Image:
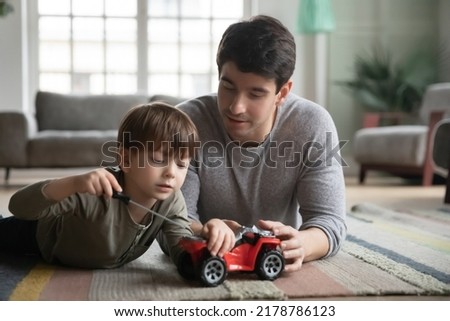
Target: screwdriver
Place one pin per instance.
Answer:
(127, 200)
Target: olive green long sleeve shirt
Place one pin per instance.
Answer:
(88, 231)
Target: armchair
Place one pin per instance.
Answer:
(402, 150)
(441, 153)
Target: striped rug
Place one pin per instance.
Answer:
(151, 277)
(387, 252)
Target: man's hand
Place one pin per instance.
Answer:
(298, 246)
(220, 237)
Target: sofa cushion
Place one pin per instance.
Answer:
(393, 145)
(171, 100)
(60, 148)
(83, 112)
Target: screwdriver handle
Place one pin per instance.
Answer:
(121, 197)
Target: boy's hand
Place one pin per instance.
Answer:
(220, 237)
(97, 182)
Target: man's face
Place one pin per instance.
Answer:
(247, 103)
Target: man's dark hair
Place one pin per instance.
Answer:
(261, 45)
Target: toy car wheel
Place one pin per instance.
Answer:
(213, 271)
(185, 266)
(270, 265)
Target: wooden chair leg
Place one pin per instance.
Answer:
(7, 173)
(427, 174)
(362, 175)
(447, 190)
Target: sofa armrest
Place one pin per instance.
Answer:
(441, 147)
(15, 129)
(428, 168)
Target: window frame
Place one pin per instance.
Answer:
(142, 73)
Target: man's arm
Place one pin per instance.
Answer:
(191, 193)
(321, 188)
(315, 242)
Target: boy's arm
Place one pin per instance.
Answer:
(219, 233)
(30, 201)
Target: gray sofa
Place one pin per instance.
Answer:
(65, 130)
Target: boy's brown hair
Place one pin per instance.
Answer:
(159, 126)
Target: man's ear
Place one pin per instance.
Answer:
(284, 91)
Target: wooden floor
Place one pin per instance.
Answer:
(379, 189)
(394, 192)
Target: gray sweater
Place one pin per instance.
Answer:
(294, 176)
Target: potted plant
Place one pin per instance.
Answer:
(5, 8)
(380, 84)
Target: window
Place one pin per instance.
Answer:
(145, 46)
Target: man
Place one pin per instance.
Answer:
(267, 156)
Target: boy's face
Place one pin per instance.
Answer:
(248, 103)
(153, 175)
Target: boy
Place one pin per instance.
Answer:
(75, 221)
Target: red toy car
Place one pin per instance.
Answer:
(255, 251)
